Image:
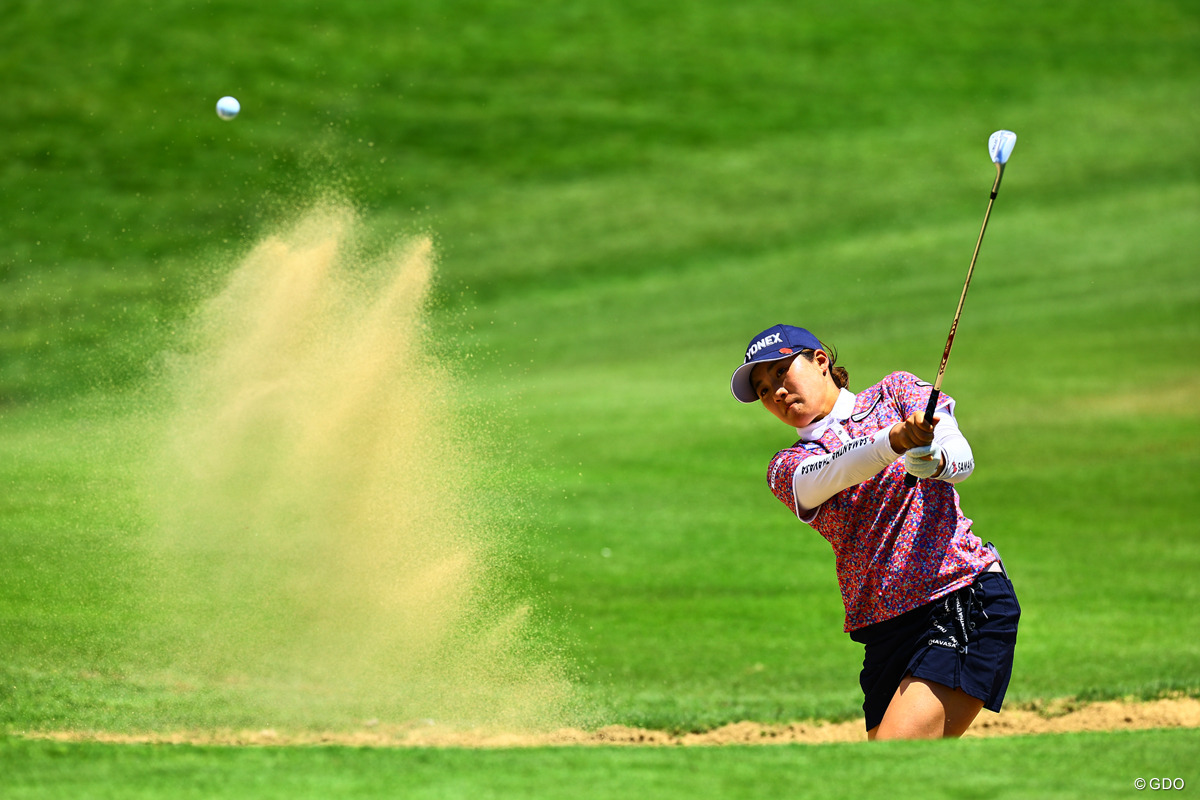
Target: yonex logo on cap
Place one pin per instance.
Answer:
(766, 341)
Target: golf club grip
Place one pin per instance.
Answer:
(910, 480)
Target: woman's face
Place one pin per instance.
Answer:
(797, 391)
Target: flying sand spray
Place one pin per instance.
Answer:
(321, 547)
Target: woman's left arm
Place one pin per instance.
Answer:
(957, 460)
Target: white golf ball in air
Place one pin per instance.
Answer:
(228, 107)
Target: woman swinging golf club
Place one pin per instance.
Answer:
(929, 601)
(931, 604)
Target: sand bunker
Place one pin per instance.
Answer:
(1051, 718)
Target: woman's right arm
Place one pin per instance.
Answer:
(815, 479)
(805, 483)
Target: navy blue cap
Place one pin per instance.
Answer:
(776, 342)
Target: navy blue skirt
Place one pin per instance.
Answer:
(964, 640)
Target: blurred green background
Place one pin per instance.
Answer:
(621, 194)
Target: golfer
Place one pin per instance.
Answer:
(931, 603)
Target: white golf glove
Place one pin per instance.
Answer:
(916, 463)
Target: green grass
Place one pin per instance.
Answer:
(620, 194)
(1065, 766)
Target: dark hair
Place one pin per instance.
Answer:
(841, 377)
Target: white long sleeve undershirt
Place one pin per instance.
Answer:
(821, 477)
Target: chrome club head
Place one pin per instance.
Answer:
(1000, 145)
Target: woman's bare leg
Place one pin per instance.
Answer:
(922, 709)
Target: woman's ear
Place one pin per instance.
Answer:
(821, 359)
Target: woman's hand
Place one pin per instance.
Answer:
(913, 432)
(924, 462)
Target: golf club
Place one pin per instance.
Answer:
(1000, 146)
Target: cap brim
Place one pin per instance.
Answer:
(740, 385)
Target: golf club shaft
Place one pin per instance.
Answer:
(910, 480)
